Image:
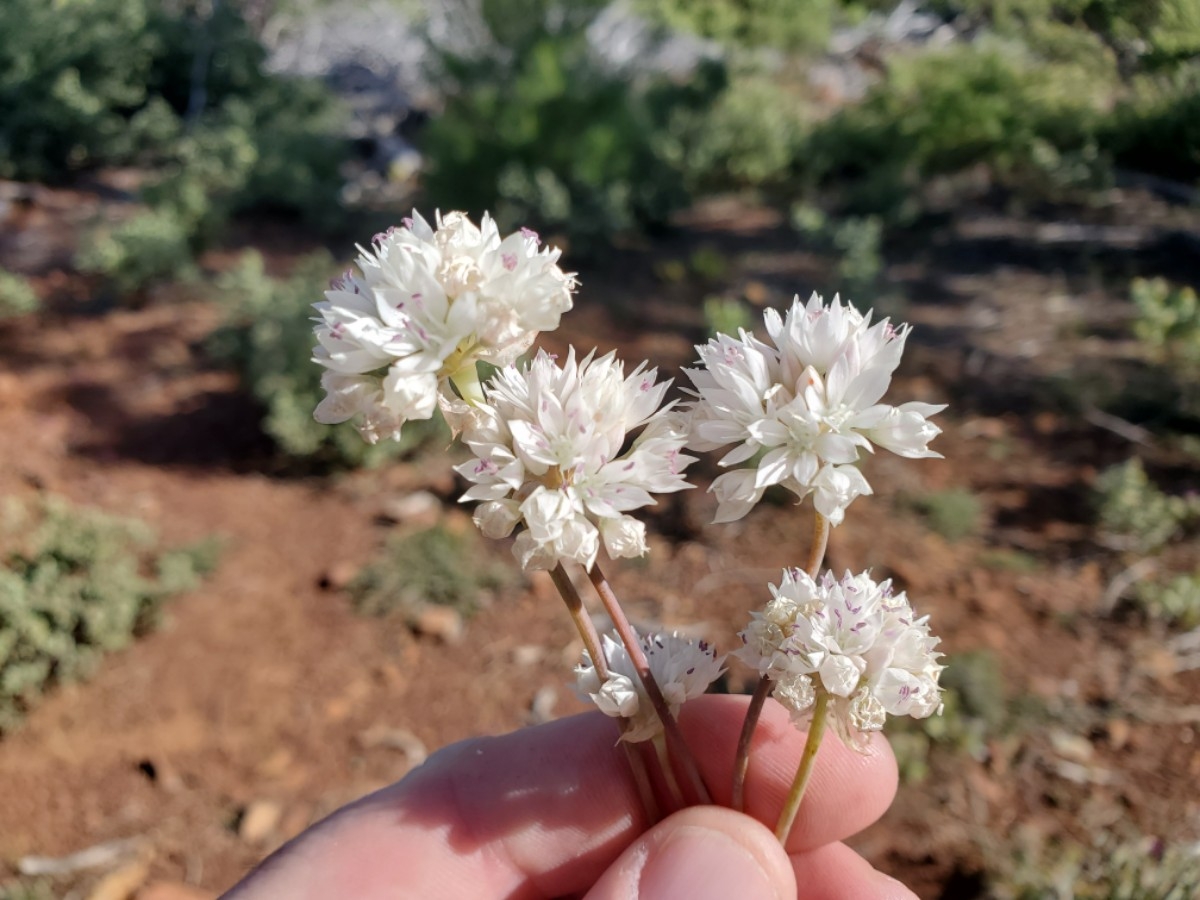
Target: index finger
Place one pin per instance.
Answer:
(543, 811)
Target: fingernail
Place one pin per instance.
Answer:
(699, 863)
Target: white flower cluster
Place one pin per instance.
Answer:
(805, 405)
(549, 441)
(683, 669)
(853, 639)
(427, 304)
(564, 453)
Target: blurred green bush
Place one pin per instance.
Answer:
(17, 296)
(1167, 326)
(76, 584)
(954, 513)
(97, 82)
(1134, 513)
(268, 339)
(1055, 95)
(1168, 320)
(783, 24)
(180, 90)
(749, 134)
(437, 565)
(538, 130)
(940, 112)
(75, 81)
(149, 247)
(1111, 868)
(1175, 600)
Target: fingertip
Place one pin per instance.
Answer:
(836, 872)
(700, 853)
(849, 789)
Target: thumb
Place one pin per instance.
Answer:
(700, 853)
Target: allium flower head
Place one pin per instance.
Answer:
(683, 669)
(808, 402)
(550, 447)
(854, 640)
(425, 304)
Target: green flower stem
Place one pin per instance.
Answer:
(741, 762)
(675, 742)
(591, 642)
(791, 806)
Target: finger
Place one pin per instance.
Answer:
(542, 812)
(835, 872)
(702, 853)
(848, 791)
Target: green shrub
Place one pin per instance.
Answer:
(538, 131)
(93, 82)
(1061, 91)
(724, 315)
(785, 24)
(1168, 319)
(1146, 33)
(268, 339)
(74, 84)
(856, 242)
(436, 565)
(75, 585)
(709, 264)
(944, 111)
(1176, 602)
(32, 889)
(750, 137)
(17, 296)
(954, 514)
(1110, 869)
(1131, 509)
(150, 247)
(1003, 559)
(1157, 129)
(85, 83)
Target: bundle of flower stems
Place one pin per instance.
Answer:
(565, 451)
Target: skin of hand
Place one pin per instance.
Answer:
(551, 811)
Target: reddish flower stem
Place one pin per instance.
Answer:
(591, 642)
(816, 550)
(741, 762)
(680, 751)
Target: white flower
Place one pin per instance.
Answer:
(682, 668)
(853, 640)
(550, 447)
(803, 406)
(426, 305)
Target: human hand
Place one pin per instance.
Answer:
(552, 811)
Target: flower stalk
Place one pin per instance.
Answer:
(675, 742)
(591, 642)
(741, 761)
(816, 550)
(791, 806)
